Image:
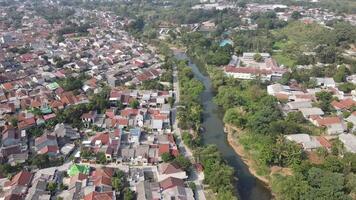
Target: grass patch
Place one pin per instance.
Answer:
(284, 60)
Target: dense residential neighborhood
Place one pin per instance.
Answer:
(189, 100)
(84, 104)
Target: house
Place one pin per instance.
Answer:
(325, 82)
(171, 182)
(47, 144)
(65, 131)
(349, 141)
(166, 170)
(19, 158)
(178, 192)
(89, 118)
(10, 136)
(307, 112)
(110, 195)
(344, 104)
(333, 125)
(278, 89)
(134, 135)
(248, 73)
(308, 142)
(19, 184)
(295, 105)
(100, 139)
(148, 190)
(102, 178)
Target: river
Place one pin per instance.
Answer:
(248, 186)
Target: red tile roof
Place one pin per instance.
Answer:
(324, 142)
(343, 104)
(169, 168)
(49, 149)
(163, 148)
(128, 112)
(171, 182)
(22, 178)
(103, 137)
(328, 121)
(99, 196)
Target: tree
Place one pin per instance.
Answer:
(341, 73)
(41, 161)
(101, 158)
(286, 153)
(296, 15)
(183, 162)
(192, 185)
(334, 164)
(52, 187)
(257, 57)
(350, 126)
(235, 117)
(324, 100)
(290, 187)
(14, 121)
(86, 153)
(134, 104)
(295, 117)
(117, 184)
(128, 194)
(167, 157)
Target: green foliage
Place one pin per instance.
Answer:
(101, 158)
(235, 117)
(183, 162)
(70, 83)
(100, 101)
(134, 104)
(7, 170)
(189, 112)
(257, 57)
(129, 194)
(217, 174)
(151, 85)
(167, 157)
(118, 181)
(36, 131)
(290, 187)
(189, 140)
(295, 117)
(72, 115)
(52, 187)
(341, 73)
(286, 153)
(324, 100)
(74, 28)
(192, 185)
(267, 20)
(296, 15)
(221, 56)
(86, 154)
(43, 161)
(346, 87)
(14, 121)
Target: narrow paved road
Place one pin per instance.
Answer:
(196, 177)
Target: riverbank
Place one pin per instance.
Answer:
(239, 149)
